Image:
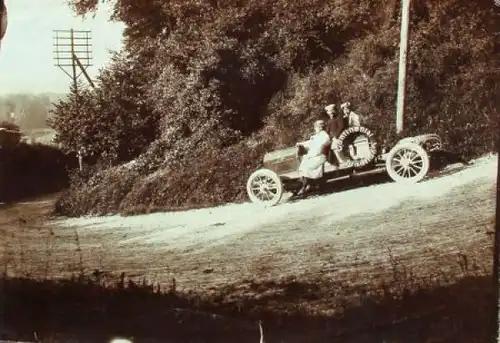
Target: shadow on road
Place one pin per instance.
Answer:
(88, 312)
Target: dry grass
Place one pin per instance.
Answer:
(459, 312)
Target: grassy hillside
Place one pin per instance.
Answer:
(202, 90)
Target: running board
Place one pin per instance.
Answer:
(379, 169)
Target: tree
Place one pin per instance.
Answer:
(113, 120)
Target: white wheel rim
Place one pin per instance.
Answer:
(408, 163)
(264, 188)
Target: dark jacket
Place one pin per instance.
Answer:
(335, 126)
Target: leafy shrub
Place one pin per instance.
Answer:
(112, 121)
(99, 194)
(10, 135)
(31, 170)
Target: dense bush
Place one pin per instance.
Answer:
(10, 135)
(112, 120)
(32, 170)
(202, 89)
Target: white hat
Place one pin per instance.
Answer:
(330, 107)
(345, 104)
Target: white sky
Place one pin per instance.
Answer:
(26, 58)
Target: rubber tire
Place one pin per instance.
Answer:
(276, 179)
(420, 151)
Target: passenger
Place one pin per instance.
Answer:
(335, 127)
(335, 124)
(351, 118)
(311, 166)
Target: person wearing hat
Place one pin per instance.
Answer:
(335, 127)
(351, 118)
(311, 165)
(335, 124)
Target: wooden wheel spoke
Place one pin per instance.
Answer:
(408, 163)
(398, 168)
(414, 170)
(265, 187)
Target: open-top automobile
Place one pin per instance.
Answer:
(408, 161)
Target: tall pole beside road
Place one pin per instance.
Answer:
(403, 52)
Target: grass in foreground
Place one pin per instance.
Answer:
(88, 308)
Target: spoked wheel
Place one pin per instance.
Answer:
(407, 163)
(265, 187)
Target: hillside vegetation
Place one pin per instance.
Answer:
(30, 170)
(203, 88)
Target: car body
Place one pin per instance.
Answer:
(408, 161)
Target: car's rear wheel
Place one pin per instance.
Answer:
(265, 187)
(407, 163)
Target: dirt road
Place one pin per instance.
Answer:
(358, 236)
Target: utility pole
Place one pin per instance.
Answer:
(73, 60)
(72, 49)
(403, 52)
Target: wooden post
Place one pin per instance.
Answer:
(496, 251)
(80, 158)
(403, 49)
(73, 62)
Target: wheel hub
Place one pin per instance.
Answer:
(264, 187)
(405, 162)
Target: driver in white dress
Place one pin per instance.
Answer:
(311, 166)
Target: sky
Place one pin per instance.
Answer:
(26, 52)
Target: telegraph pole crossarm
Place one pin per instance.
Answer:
(72, 49)
(74, 54)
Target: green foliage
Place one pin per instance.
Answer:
(10, 138)
(32, 170)
(200, 81)
(113, 120)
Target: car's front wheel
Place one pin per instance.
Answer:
(407, 163)
(265, 187)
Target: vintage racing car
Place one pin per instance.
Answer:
(408, 161)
